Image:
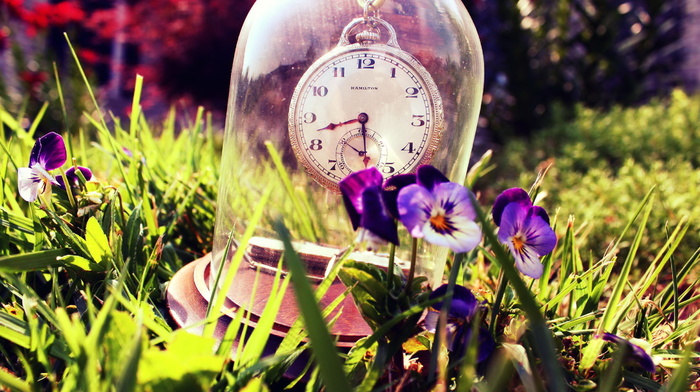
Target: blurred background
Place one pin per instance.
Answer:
(538, 54)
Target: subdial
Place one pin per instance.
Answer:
(359, 150)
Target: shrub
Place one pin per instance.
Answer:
(605, 162)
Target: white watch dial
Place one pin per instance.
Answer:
(364, 106)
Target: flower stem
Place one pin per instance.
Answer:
(69, 191)
(496, 308)
(440, 331)
(412, 271)
(390, 266)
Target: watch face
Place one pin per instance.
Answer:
(363, 106)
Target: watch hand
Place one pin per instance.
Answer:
(363, 118)
(333, 126)
(358, 151)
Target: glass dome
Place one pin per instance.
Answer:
(283, 39)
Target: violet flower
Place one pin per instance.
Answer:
(362, 196)
(525, 229)
(463, 307)
(439, 211)
(636, 355)
(48, 153)
(72, 176)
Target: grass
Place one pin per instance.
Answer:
(84, 275)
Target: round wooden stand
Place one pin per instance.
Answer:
(189, 292)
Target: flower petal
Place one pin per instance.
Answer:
(528, 237)
(637, 355)
(486, 344)
(49, 151)
(352, 187)
(431, 319)
(527, 261)
(512, 195)
(455, 199)
(72, 176)
(415, 204)
(374, 216)
(392, 187)
(28, 183)
(538, 234)
(465, 237)
(512, 219)
(463, 305)
(539, 211)
(428, 176)
(454, 213)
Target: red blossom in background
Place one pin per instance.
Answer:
(4, 38)
(171, 43)
(102, 22)
(64, 13)
(89, 56)
(44, 15)
(33, 79)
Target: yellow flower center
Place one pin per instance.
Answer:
(518, 242)
(440, 223)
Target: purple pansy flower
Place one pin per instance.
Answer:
(463, 307)
(525, 229)
(439, 211)
(362, 196)
(636, 354)
(48, 153)
(392, 187)
(72, 176)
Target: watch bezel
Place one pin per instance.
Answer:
(434, 97)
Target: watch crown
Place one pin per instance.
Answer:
(367, 37)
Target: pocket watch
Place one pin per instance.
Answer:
(365, 104)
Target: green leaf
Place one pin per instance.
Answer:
(81, 263)
(132, 247)
(186, 364)
(33, 261)
(97, 243)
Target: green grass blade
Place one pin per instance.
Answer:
(612, 376)
(322, 344)
(126, 381)
(297, 333)
(255, 345)
(33, 261)
(12, 382)
(37, 119)
(592, 350)
(679, 379)
(218, 296)
(135, 107)
(304, 217)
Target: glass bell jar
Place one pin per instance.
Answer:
(320, 89)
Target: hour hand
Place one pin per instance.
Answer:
(333, 126)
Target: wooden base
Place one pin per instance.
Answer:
(189, 292)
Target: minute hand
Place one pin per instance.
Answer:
(333, 126)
